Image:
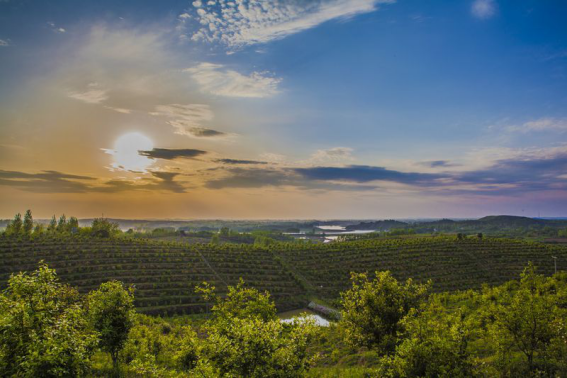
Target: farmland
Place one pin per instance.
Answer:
(165, 274)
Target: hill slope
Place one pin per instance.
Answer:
(165, 274)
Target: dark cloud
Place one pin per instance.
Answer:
(236, 161)
(438, 163)
(266, 177)
(45, 181)
(205, 133)
(251, 178)
(57, 182)
(170, 154)
(365, 173)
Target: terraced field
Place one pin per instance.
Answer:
(452, 264)
(165, 274)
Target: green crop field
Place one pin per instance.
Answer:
(165, 274)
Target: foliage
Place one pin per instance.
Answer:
(43, 331)
(245, 338)
(111, 312)
(103, 228)
(435, 344)
(373, 310)
(529, 320)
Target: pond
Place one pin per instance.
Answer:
(288, 317)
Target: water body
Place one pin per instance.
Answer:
(298, 315)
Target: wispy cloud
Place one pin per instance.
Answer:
(483, 9)
(94, 94)
(55, 28)
(170, 154)
(541, 124)
(4, 43)
(217, 80)
(188, 119)
(248, 22)
(337, 154)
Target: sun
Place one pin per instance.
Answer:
(127, 152)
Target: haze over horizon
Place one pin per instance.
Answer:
(288, 109)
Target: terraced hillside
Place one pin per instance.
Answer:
(165, 274)
(452, 264)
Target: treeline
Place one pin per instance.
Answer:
(100, 227)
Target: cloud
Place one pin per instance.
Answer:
(364, 173)
(236, 161)
(437, 163)
(45, 181)
(170, 154)
(248, 22)
(188, 119)
(333, 154)
(249, 178)
(483, 9)
(541, 124)
(56, 29)
(57, 182)
(93, 95)
(4, 43)
(217, 80)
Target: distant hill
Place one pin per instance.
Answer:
(490, 224)
(382, 225)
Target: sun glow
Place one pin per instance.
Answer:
(127, 152)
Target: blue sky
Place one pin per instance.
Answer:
(276, 109)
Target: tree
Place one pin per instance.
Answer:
(52, 225)
(73, 225)
(43, 331)
(435, 344)
(246, 339)
(62, 224)
(372, 310)
(224, 232)
(215, 239)
(38, 229)
(525, 318)
(15, 226)
(111, 313)
(28, 223)
(103, 228)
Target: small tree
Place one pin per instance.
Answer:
(62, 224)
(28, 223)
(111, 312)
(15, 226)
(525, 320)
(435, 344)
(103, 228)
(372, 310)
(246, 339)
(73, 225)
(52, 225)
(38, 229)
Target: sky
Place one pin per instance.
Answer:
(283, 109)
